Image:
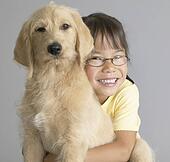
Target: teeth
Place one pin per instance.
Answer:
(108, 81)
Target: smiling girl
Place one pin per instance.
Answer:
(107, 72)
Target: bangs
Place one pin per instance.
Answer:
(108, 28)
(109, 32)
(111, 39)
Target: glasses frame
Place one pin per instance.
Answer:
(105, 59)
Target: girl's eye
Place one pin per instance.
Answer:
(40, 29)
(117, 57)
(65, 26)
(96, 58)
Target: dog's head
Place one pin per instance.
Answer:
(53, 34)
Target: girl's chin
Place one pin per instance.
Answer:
(107, 91)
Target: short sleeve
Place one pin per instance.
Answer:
(125, 115)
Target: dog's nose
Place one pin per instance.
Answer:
(54, 48)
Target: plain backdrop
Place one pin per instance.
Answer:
(147, 25)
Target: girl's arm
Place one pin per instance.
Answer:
(117, 151)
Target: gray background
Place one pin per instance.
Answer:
(147, 25)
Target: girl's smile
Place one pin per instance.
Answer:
(109, 82)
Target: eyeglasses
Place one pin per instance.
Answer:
(97, 61)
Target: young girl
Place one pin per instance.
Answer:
(107, 71)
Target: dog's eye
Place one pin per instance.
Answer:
(65, 26)
(40, 29)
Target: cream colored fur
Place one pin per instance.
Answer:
(60, 112)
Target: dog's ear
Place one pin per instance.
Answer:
(84, 42)
(23, 52)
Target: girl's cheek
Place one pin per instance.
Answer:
(90, 73)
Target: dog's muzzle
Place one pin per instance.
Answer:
(54, 48)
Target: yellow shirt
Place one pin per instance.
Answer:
(123, 107)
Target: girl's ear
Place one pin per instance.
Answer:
(84, 41)
(23, 52)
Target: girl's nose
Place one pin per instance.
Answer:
(108, 67)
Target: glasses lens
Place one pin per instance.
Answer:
(119, 60)
(95, 61)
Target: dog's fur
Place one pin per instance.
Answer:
(60, 112)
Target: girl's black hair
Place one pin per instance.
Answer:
(110, 28)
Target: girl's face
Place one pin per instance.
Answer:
(106, 79)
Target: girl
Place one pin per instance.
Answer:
(106, 69)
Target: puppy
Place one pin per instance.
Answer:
(59, 111)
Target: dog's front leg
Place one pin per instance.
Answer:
(32, 147)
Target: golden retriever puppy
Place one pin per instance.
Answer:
(59, 112)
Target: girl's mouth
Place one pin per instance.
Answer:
(108, 82)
